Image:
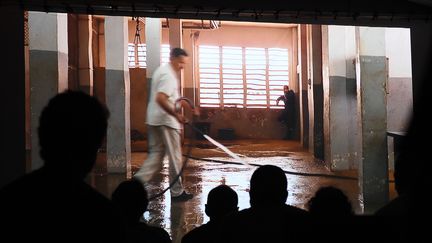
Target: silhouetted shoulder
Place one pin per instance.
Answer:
(270, 224)
(292, 210)
(204, 233)
(41, 201)
(143, 233)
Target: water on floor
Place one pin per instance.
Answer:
(308, 174)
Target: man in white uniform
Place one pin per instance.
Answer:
(165, 124)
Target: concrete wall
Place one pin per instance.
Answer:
(247, 123)
(138, 96)
(341, 145)
(250, 123)
(317, 89)
(48, 46)
(303, 85)
(399, 99)
(99, 84)
(399, 86)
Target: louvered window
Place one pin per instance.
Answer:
(242, 76)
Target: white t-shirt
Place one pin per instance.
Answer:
(164, 80)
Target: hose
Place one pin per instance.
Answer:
(188, 156)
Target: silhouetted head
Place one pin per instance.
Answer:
(286, 88)
(268, 186)
(221, 201)
(405, 174)
(413, 164)
(330, 201)
(71, 129)
(131, 198)
(178, 58)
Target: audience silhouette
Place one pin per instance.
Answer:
(407, 214)
(330, 202)
(221, 202)
(53, 203)
(131, 199)
(268, 219)
(330, 209)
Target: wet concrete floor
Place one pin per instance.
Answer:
(201, 176)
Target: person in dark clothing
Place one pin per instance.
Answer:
(288, 115)
(131, 199)
(269, 219)
(221, 202)
(53, 203)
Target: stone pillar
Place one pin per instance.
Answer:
(85, 57)
(316, 86)
(371, 74)
(340, 127)
(12, 103)
(303, 86)
(117, 95)
(48, 46)
(175, 40)
(293, 54)
(188, 73)
(153, 35)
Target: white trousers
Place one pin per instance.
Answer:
(163, 140)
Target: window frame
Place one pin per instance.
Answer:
(269, 91)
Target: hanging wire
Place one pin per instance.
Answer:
(137, 39)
